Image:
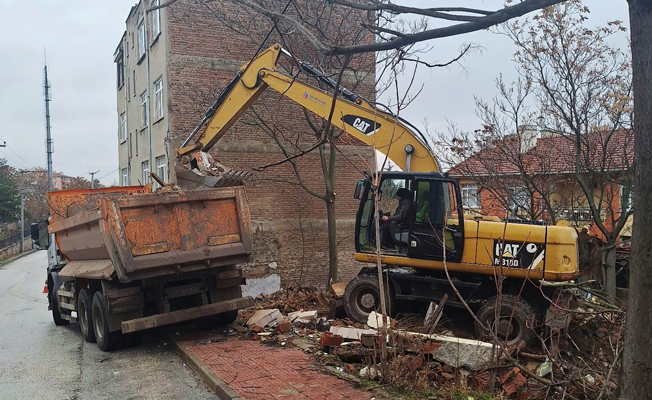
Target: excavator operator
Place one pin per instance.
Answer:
(400, 220)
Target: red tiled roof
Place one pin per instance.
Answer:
(553, 154)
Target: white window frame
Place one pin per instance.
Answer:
(156, 20)
(125, 177)
(145, 169)
(142, 45)
(158, 98)
(144, 110)
(470, 192)
(162, 167)
(519, 197)
(630, 199)
(123, 127)
(120, 70)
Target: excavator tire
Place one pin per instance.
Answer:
(362, 296)
(517, 320)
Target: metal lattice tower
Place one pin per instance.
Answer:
(48, 137)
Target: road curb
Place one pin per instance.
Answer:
(16, 257)
(215, 384)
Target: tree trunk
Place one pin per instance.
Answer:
(637, 359)
(332, 239)
(610, 269)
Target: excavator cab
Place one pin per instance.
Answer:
(435, 220)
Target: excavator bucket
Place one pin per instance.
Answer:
(202, 171)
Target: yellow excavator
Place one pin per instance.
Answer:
(479, 254)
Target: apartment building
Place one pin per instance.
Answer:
(143, 120)
(170, 66)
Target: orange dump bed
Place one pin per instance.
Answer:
(146, 235)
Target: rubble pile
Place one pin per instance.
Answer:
(578, 362)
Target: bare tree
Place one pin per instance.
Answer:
(582, 91)
(637, 361)
(514, 179)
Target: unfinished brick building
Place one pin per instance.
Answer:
(179, 58)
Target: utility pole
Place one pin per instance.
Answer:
(48, 137)
(93, 178)
(22, 214)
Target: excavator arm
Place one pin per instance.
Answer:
(353, 114)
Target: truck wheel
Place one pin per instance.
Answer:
(85, 315)
(362, 296)
(105, 340)
(516, 320)
(54, 301)
(56, 315)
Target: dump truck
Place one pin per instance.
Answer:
(123, 260)
(438, 244)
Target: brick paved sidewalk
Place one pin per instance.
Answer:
(256, 371)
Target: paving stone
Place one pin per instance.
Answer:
(256, 371)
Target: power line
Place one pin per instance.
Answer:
(13, 161)
(104, 176)
(12, 150)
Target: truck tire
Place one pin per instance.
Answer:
(53, 283)
(362, 296)
(56, 315)
(516, 320)
(85, 316)
(106, 340)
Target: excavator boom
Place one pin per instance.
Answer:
(354, 115)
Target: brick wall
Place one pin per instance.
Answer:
(289, 224)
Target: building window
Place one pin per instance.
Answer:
(141, 40)
(143, 109)
(156, 20)
(519, 199)
(629, 205)
(123, 127)
(158, 99)
(145, 167)
(125, 177)
(470, 195)
(120, 70)
(134, 82)
(162, 168)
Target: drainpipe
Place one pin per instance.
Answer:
(125, 94)
(149, 103)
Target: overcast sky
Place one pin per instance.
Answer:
(80, 37)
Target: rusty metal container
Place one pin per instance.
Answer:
(146, 235)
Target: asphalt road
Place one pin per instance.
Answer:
(39, 360)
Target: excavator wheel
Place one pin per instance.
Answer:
(362, 296)
(516, 320)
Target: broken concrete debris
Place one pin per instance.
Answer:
(262, 286)
(303, 316)
(375, 320)
(263, 318)
(370, 372)
(351, 333)
(453, 351)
